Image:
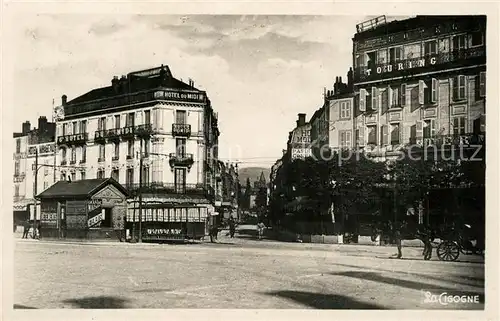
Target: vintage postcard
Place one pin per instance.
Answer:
(242, 159)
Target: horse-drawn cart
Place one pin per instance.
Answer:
(459, 241)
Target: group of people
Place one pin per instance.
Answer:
(27, 227)
(231, 223)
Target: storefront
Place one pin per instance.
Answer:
(169, 218)
(85, 209)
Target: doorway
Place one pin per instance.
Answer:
(107, 217)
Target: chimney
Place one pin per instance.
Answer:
(26, 127)
(115, 84)
(283, 151)
(42, 124)
(350, 80)
(301, 121)
(64, 100)
(123, 84)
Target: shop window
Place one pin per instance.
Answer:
(459, 126)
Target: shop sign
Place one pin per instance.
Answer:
(93, 221)
(163, 231)
(175, 95)
(93, 204)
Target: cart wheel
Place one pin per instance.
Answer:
(448, 251)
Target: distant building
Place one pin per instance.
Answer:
(32, 145)
(299, 141)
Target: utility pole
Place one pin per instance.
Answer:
(34, 191)
(140, 193)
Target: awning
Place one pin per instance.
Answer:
(22, 205)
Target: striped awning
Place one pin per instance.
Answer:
(22, 205)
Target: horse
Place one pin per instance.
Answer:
(406, 231)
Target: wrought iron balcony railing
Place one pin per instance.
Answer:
(177, 159)
(181, 130)
(75, 139)
(410, 66)
(19, 177)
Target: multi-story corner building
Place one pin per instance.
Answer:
(419, 81)
(299, 139)
(229, 189)
(152, 118)
(33, 157)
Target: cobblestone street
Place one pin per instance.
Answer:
(235, 273)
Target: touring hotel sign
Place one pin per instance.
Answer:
(401, 66)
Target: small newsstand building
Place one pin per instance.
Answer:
(84, 209)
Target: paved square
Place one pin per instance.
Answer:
(235, 274)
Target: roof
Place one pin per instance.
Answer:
(135, 82)
(79, 189)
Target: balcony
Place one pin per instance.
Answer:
(408, 67)
(64, 162)
(184, 160)
(181, 130)
(166, 188)
(115, 134)
(73, 140)
(72, 162)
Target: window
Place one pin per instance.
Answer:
(75, 128)
(180, 147)
(100, 173)
(73, 154)
(82, 175)
(16, 191)
(476, 39)
(395, 134)
(117, 121)
(345, 110)
(83, 126)
(459, 125)
(64, 129)
(63, 151)
(371, 59)
(130, 120)
(115, 174)
(180, 117)
(402, 95)
(45, 185)
(130, 149)
(101, 125)
(84, 154)
(395, 54)
(145, 175)
(393, 97)
(428, 91)
(117, 150)
(130, 177)
(62, 177)
(458, 42)
(18, 146)
(102, 150)
(46, 168)
(429, 128)
(17, 168)
(146, 147)
(430, 47)
(372, 135)
(180, 180)
(382, 56)
(73, 176)
(374, 98)
(345, 139)
(147, 117)
(482, 84)
(459, 87)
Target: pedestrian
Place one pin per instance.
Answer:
(26, 226)
(232, 227)
(260, 229)
(40, 231)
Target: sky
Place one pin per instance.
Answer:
(258, 71)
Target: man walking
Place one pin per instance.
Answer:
(232, 227)
(260, 229)
(26, 227)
